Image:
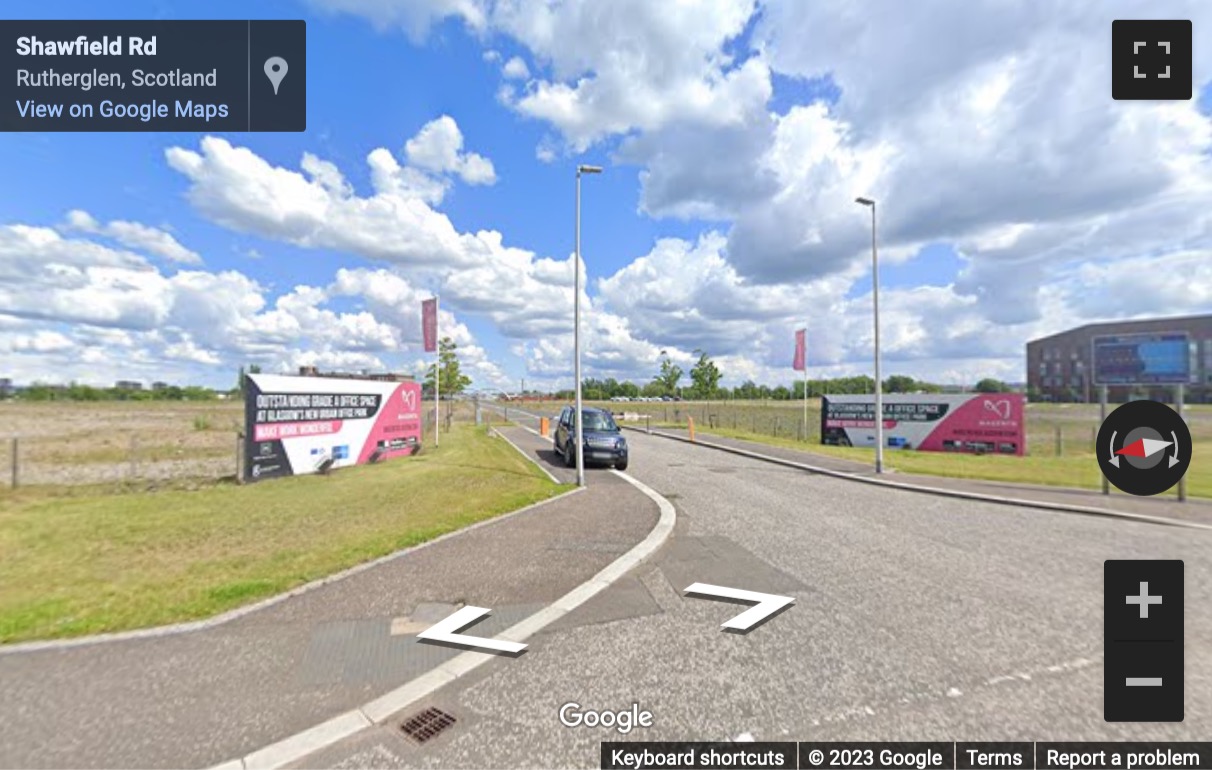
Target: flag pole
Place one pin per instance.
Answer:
(437, 375)
(805, 383)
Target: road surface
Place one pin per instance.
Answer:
(916, 618)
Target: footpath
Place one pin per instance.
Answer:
(203, 697)
(1165, 506)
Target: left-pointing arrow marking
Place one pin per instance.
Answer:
(767, 605)
(446, 632)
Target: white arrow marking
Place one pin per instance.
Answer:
(446, 631)
(1174, 457)
(767, 604)
(1114, 457)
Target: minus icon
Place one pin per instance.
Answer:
(1143, 681)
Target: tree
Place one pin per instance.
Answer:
(453, 380)
(990, 385)
(747, 390)
(670, 374)
(900, 383)
(705, 375)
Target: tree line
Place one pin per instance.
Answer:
(40, 391)
(705, 378)
(704, 384)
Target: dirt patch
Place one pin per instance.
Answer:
(87, 443)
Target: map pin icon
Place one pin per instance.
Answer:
(275, 70)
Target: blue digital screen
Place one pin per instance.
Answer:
(1142, 359)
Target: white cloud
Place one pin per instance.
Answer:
(99, 314)
(415, 17)
(438, 147)
(965, 123)
(134, 235)
(516, 69)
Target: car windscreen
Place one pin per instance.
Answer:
(599, 421)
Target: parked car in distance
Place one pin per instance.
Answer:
(604, 440)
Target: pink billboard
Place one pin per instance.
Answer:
(296, 425)
(981, 423)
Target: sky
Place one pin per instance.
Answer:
(1015, 198)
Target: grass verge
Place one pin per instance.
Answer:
(1073, 470)
(92, 563)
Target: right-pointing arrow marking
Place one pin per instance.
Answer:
(445, 632)
(767, 604)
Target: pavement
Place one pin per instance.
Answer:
(200, 698)
(917, 617)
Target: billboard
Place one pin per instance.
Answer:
(990, 423)
(294, 425)
(1142, 359)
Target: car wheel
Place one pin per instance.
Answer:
(621, 466)
(570, 457)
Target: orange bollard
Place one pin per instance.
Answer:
(690, 423)
(544, 427)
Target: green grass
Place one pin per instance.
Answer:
(1069, 462)
(1073, 469)
(90, 562)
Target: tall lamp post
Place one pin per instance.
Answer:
(577, 416)
(875, 304)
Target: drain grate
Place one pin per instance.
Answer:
(428, 724)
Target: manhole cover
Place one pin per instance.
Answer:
(426, 725)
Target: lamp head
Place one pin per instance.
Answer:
(865, 201)
(583, 169)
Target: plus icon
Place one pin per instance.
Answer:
(1144, 600)
(1151, 59)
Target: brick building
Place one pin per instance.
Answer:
(1060, 367)
(312, 371)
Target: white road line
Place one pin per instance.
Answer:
(377, 711)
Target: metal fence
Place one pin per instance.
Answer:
(75, 444)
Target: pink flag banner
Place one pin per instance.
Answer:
(429, 324)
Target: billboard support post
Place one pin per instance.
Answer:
(1102, 417)
(437, 377)
(1178, 402)
(800, 363)
(805, 400)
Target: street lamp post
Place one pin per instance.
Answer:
(577, 416)
(875, 304)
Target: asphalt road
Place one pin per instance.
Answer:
(203, 697)
(917, 618)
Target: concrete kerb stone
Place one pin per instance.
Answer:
(526, 454)
(384, 707)
(239, 612)
(939, 491)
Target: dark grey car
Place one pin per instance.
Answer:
(604, 440)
